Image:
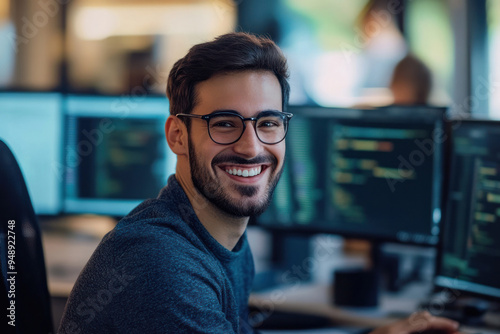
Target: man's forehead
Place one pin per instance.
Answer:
(239, 77)
(248, 93)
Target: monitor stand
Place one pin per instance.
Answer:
(359, 286)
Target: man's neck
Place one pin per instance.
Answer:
(224, 228)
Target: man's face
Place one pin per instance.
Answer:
(247, 93)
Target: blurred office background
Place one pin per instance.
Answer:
(65, 66)
(341, 53)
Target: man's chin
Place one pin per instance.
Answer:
(245, 210)
(247, 191)
(245, 206)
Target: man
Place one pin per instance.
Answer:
(180, 263)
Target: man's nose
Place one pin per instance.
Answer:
(249, 144)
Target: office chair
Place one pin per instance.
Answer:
(32, 300)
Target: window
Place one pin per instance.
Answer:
(343, 53)
(106, 46)
(430, 37)
(493, 12)
(340, 53)
(116, 47)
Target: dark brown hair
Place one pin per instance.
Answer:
(231, 52)
(412, 71)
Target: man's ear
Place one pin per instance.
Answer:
(176, 134)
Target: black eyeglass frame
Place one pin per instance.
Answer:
(286, 116)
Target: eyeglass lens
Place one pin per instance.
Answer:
(227, 128)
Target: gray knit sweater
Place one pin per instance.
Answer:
(160, 271)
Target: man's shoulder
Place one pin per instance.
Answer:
(154, 247)
(154, 234)
(168, 231)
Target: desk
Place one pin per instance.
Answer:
(315, 299)
(68, 243)
(313, 331)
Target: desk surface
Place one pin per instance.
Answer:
(335, 330)
(316, 299)
(68, 245)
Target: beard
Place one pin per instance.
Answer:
(219, 195)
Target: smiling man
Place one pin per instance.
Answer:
(181, 263)
(235, 150)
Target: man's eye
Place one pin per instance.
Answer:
(269, 124)
(223, 124)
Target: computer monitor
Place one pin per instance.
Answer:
(372, 174)
(116, 154)
(31, 125)
(470, 248)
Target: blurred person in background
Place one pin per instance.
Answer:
(411, 82)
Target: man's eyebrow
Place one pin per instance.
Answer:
(237, 112)
(224, 110)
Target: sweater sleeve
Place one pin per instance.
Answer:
(149, 284)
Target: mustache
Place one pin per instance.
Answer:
(236, 160)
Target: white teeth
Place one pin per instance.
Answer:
(245, 172)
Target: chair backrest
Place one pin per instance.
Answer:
(23, 279)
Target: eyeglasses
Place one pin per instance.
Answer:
(227, 127)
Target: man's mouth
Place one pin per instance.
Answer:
(244, 172)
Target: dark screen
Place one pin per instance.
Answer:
(470, 245)
(116, 153)
(123, 164)
(362, 173)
